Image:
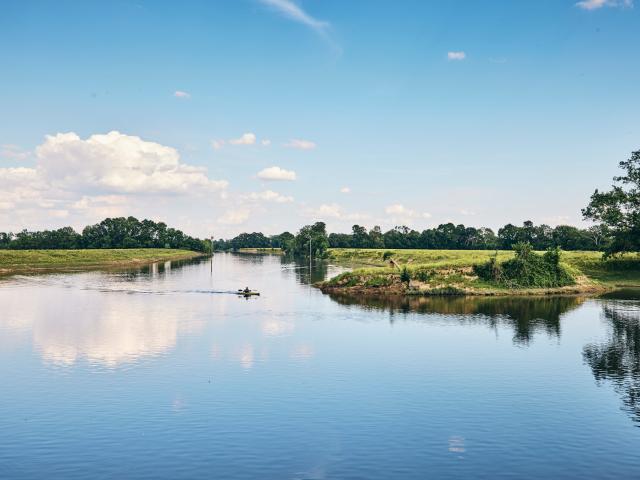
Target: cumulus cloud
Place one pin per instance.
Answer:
(13, 152)
(292, 11)
(335, 211)
(181, 94)
(332, 210)
(300, 144)
(402, 214)
(77, 181)
(456, 55)
(597, 4)
(269, 196)
(23, 186)
(235, 217)
(276, 173)
(345, 190)
(246, 139)
(116, 162)
(266, 142)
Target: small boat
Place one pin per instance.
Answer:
(248, 294)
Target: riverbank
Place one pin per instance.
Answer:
(451, 272)
(33, 261)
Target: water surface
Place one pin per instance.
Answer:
(161, 372)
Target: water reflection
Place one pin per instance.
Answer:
(525, 315)
(85, 316)
(111, 332)
(617, 360)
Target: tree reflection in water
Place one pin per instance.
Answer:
(618, 359)
(526, 315)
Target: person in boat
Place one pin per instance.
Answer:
(246, 290)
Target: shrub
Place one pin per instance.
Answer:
(527, 269)
(405, 276)
(422, 274)
(387, 255)
(378, 281)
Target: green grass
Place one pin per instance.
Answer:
(12, 261)
(442, 270)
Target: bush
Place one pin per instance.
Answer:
(405, 276)
(422, 274)
(387, 255)
(527, 269)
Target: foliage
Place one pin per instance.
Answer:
(618, 210)
(405, 276)
(446, 236)
(527, 269)
(254, 240)
(310, 240)
(110, 233)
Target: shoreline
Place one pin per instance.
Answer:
(14, 262)
(374, 292)
(433, 273)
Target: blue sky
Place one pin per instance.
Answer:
(480, 113)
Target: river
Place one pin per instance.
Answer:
(163, 372)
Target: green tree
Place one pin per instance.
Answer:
(311, 239)
(619, 208)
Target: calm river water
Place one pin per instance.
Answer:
(161, 373)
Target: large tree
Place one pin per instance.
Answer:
(619, 208)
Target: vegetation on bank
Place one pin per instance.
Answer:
(527, 269)
(110, 233)
(443, 237)
(439, 272)
(15, 261)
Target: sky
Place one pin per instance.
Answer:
(220, 117)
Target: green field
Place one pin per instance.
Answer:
(451, 271)
(15, 261)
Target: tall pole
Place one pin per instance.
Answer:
(310, 266)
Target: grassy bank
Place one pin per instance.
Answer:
(452, 272)
(23, 261)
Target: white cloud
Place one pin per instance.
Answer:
(400, 213)
(597, 4)
(333, 210)
(116, 162)
(292, 11)
(62, 213)
(266, 142)
(467, 213)
(181, 94)
(217, 144)
(13, 152)
(245, 139)
(235, 217)
(456, 55)
(345, 190)
(276, 173)
(22, 185)
(300, 144)
(270, 196)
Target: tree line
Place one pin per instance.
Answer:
(109, 233)
(447, 236)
